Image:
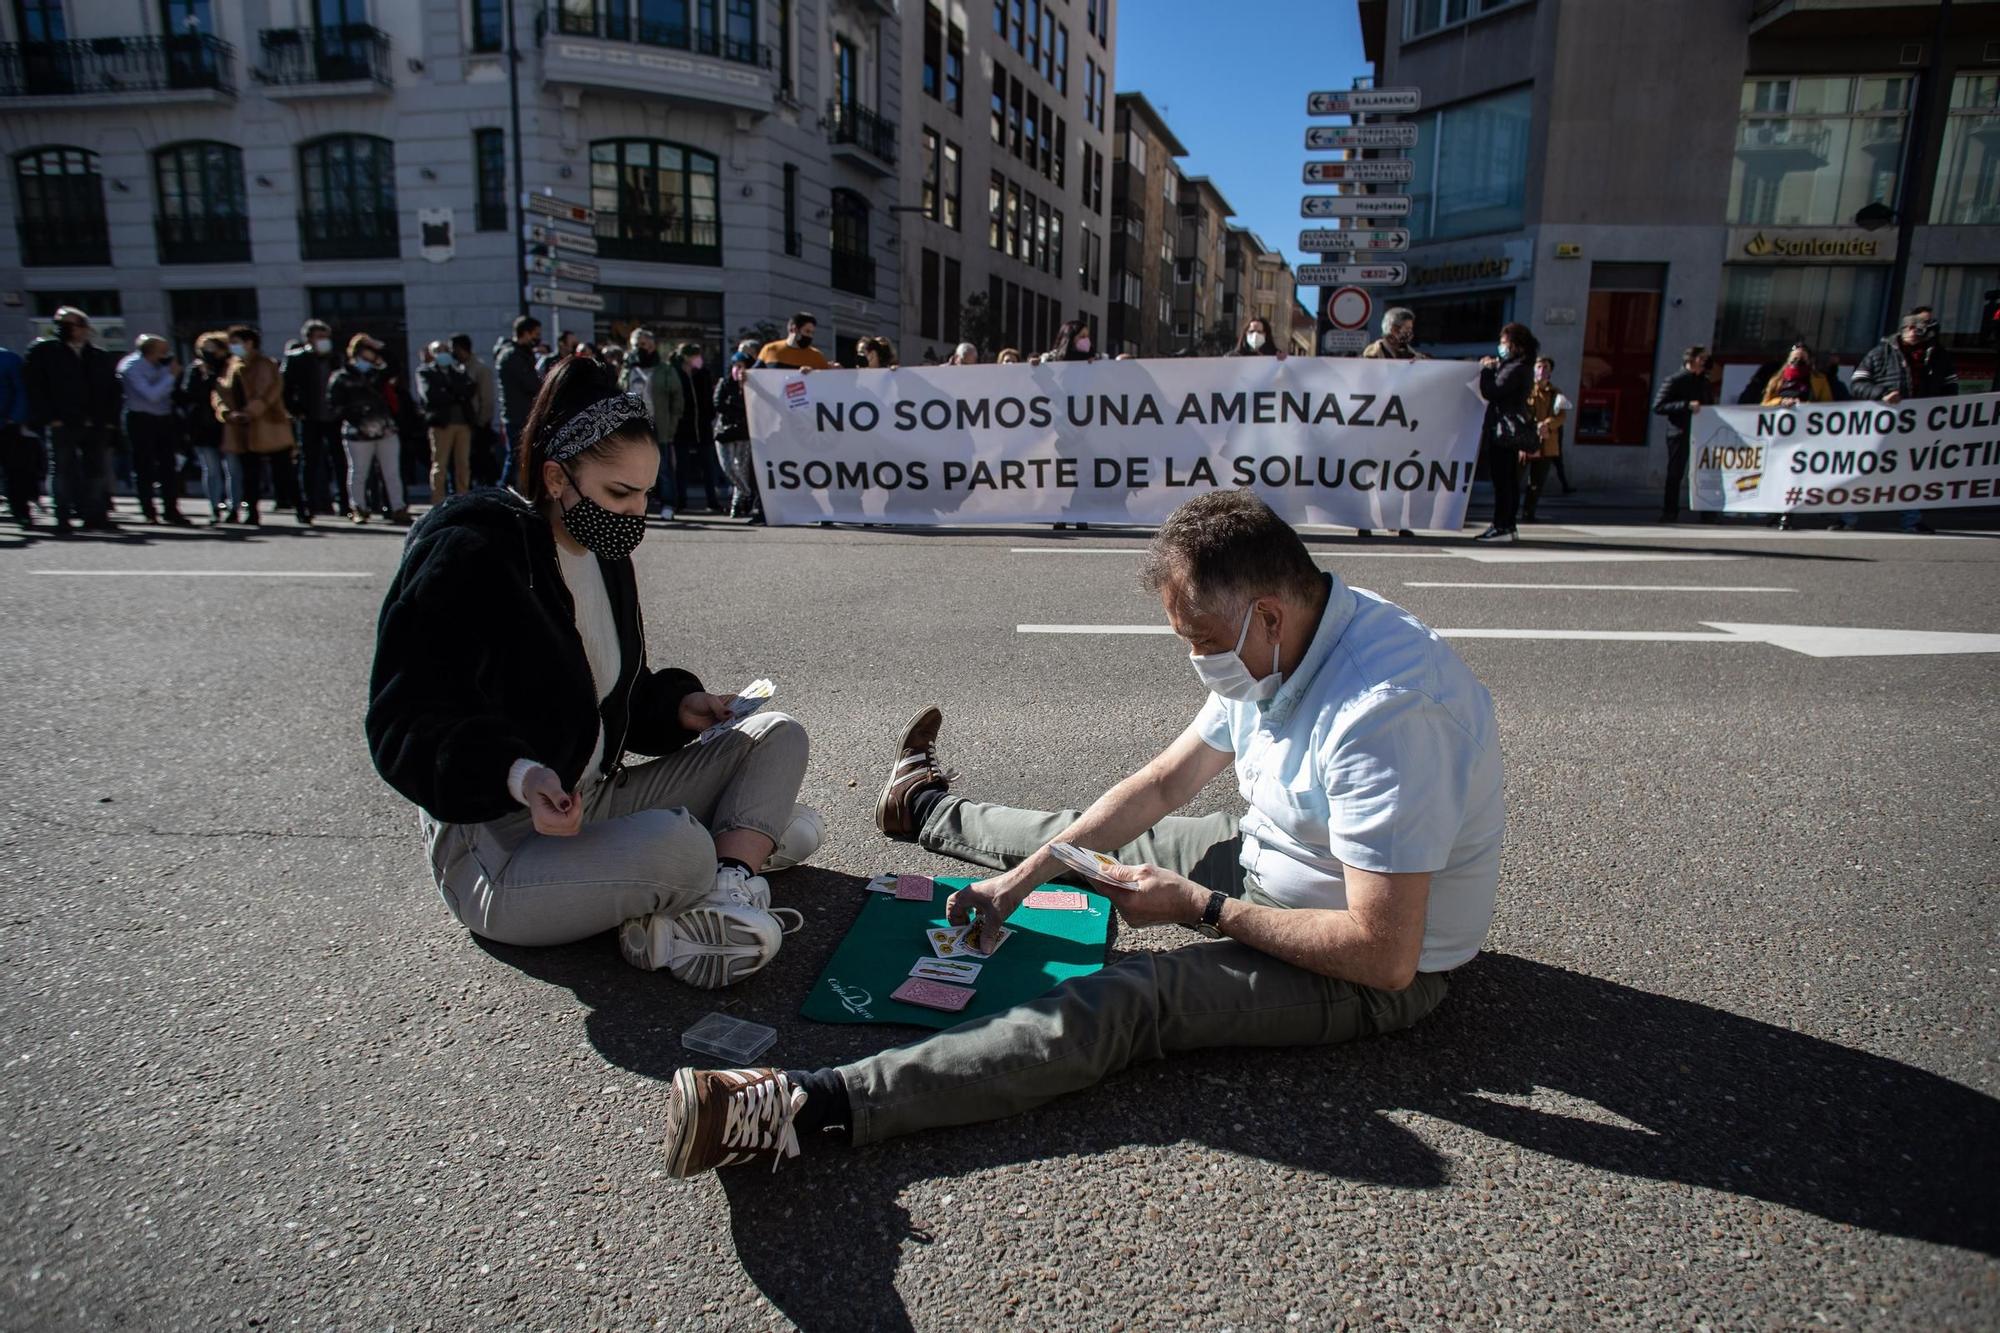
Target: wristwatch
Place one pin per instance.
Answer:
(1211, 916)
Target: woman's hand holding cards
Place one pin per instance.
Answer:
(557, 813)
(701, 711)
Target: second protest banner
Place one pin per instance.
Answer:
(1370, 444)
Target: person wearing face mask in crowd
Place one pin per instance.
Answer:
(514, 366)
(73, 402)
(256, 430)
(1549, 408)
(485, 408)
(965, 354)
(1363, 871)
(650, 379)
(1072, 344)
(1009, 356)
(1797, 381)
(308, 369)
(450, 399)
(1399, 338)
(1509, 429)
(146, 376)
(694, 436)
(732, 439)
(795, 350)
(510, 677)
(368, 427)
(1909, 363)
(1256, 340)
(192, 398)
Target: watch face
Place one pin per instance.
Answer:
(1209, 931)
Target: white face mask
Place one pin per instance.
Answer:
(1225, 674)
(1500, 350)
(1255, 339)
(323, 345)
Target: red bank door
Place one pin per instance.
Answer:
(1615, 386)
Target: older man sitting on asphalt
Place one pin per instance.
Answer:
(1363, 871)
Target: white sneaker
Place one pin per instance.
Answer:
(667, 513)
(740, 888)
(803, 837)
(710, 945)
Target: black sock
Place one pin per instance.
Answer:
(926, 801)
(724, 862)
(826, 1112)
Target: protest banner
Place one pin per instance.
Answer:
(1374, 444)
(1926, 453)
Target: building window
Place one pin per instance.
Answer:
(1056, 242)
(953, 170)
(675, 316)
(1000, 18)
(1062, 59)
(933, 153)
(1030, 128)
(794, 243)
(375, 311)
(1170, 187)
(933, 50)
(1049, 44)
(348, 198)
(954, 69)
(1015, 96)
(1033, 51)
(1013, 242)
(1011, 317)
(1833, 307)
(202, 219)
(489, 171)
(1429, 15)
(1016, 15)
(1968, 179)
(1472, 171)
(489, 24)
(1131, 147)
(1090, 91)
(785, 47)
(999, 105)
(1062, 150)
(995, 191)
(1041, 260)
(853, 264)
(952, 300)
(1097, 17)
(1810, 152)
(191, 313)
(1097, 107)
(61, 199)
(927, 309)
(1958, 294)
(655, 201)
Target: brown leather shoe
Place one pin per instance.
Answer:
(722, 1117)
(915, 770)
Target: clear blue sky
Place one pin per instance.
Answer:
(1232, 80)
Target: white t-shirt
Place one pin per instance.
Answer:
(1379, 752)
(599, 630)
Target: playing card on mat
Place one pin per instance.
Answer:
(1057, 900)
(960, 970)
(952, 941)
(933, 994)
(915, 888)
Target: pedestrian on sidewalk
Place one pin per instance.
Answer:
(1797, 381)
(510, 676)
(20, 455)
(360, 393)
(663, 393)
(514, 367)
(1550, 409)
(309, 368)
(257, 431)
(1908, 364)
(1509, 428)
(485, 452)
(693, 459)
(193, 398)
(146, 378)
(1682, 396)
(451, 400)
(732, 439)
(73, 403)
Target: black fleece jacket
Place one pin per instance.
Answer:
(478, 663)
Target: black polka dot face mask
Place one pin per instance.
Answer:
(597, 530)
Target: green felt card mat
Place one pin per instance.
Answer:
(888, 937)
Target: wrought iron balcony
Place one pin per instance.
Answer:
(350, 234)
(64, 242)
(658, 239)
(613, 22)
(346, 53)
(853, 273)
(203, 240)
(98, 65)
(849, 124)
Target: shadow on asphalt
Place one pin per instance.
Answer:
(1562, 1064)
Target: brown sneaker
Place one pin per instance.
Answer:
(915, 770)
(722, 1117)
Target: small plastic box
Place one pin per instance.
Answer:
(736, 1040)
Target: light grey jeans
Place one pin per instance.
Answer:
(646, 844)
(1211, 993)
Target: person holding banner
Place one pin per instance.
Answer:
(1796, 382)
(1363, 872)
(510, 676)
(1908, 364)
(1509, 429)
(1256, 340)
(795, 350)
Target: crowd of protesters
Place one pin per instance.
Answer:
(327, 430)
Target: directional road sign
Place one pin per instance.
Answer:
(1323, 137)
(1362, 100)
(549, 206)
(1327, 275)
(1331, 240)
(558, 239)
(1354, 206)
(569, 270)
(1335, 173)
(562, 296)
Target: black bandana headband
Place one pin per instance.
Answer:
(602, 418)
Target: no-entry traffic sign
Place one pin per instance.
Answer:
(1348, 308)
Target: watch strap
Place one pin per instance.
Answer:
(1211, 916)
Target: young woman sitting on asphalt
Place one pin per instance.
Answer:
(511, 676)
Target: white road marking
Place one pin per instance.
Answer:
(1808, 640)
(1485, 555)
(1748, 532)
(203, 573)
(1606, 587)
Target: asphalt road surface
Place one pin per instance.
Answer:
(1729, 1061)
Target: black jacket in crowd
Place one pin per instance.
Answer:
(1885, 370)
(732, 411)
(306, 375)
(478, 663)
(514, 367)
(448, 395)
(1680, 390)
(77, 390)
(194, 403)
(1505, 388)
(360, 402)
